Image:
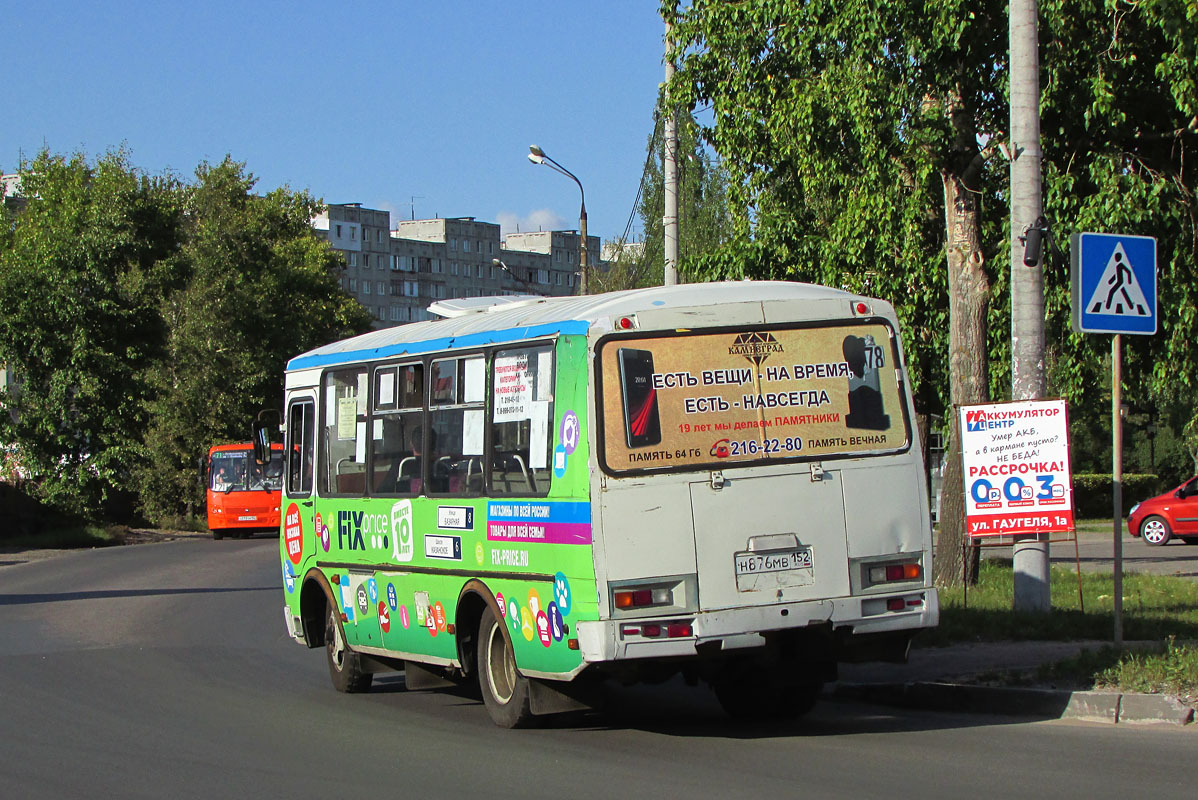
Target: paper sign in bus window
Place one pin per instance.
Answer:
(347, 415)
(513, 388)
(642, 424)
(538, 435)
(472, 432)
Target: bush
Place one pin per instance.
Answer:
(1092, 493)
(26, 515)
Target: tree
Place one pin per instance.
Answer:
(148, 319)
(861, 140)
(1120, 129)
(847, 129)
(260, 288)
(82, 266)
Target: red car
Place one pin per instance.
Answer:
(1174, 513)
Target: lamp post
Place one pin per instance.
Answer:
(537, 156)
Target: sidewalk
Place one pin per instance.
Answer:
(953, 679)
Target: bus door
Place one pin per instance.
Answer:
(302, 528)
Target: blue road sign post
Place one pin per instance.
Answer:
(1113, 283)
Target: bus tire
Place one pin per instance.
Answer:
(504, 689)
(217, 535)
(345, 667)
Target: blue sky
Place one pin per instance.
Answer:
(372, 102)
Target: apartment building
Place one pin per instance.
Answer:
(397, 271)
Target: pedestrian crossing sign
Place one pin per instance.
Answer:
(1114, 283)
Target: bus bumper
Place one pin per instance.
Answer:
(853, 618)
(295, 626)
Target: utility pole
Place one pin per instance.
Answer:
(1032, 589)
(670, 171)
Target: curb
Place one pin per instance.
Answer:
(1110, 707)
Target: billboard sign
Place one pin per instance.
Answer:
(1015, 462)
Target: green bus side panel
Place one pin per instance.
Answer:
(397, 565)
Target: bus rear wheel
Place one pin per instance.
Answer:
(345, 666)
(755, 695)
(504, 689)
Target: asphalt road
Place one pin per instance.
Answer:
(164, 670)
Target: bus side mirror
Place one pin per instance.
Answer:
(260, 436)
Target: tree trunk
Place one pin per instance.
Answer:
(968, 299)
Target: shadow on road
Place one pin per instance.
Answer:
(105, 594)
(675, 709)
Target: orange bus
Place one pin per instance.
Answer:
(242, 495)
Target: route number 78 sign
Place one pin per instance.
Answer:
(1015, 460)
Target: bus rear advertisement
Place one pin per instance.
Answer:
(540, 494)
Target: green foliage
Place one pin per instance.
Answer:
(1119, 123)
(260, 287)
(81, 269)
(1169, 668)
(1092, 493)
(1174, 670)
(836, 121)
(148, 319)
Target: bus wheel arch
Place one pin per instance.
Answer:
(473, 600)
(316, 597)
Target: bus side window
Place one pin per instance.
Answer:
(395, 459)
(301, 440)
(521, 420)
(343, 460)
(457, 389)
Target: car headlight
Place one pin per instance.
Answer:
(1133, 509)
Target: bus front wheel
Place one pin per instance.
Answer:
(345, 666)
(504, 689)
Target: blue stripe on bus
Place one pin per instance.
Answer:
(444, 343)
(556, 511)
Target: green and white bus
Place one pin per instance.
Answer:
(541, 493)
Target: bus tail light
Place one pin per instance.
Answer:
(659, 630)
(643, 598)
(889, 573)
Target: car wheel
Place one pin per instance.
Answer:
(345, 666)
(1155, 531)
(504, 689)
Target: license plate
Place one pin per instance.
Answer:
(773, 561)
(244, 518)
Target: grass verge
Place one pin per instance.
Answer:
(1156, 608)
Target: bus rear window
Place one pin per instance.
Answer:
(685, 401)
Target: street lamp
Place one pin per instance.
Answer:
(537, 156)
